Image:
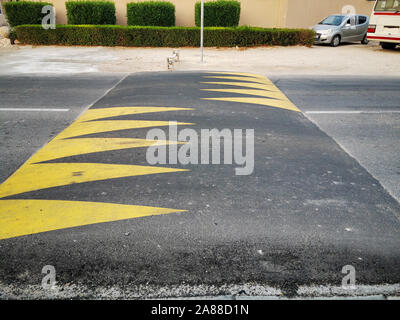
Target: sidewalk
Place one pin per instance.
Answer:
(348, 59)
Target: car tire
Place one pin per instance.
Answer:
(335, 41)
(388, 45)
(364, 40)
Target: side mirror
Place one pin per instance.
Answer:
(348, 25)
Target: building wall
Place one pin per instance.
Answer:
(260, 13)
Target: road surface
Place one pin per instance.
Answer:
(78, 192)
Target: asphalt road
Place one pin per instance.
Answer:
(308, 209)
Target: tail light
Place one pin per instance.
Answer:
(371, 28)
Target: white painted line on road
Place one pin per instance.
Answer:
(352, 112)
(34, 109)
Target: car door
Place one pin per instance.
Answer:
(349, 30)
(361, 27)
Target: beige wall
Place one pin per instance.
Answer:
(261, 13)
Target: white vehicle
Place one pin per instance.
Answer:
(385, 23)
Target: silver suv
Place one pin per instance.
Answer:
(340, 28)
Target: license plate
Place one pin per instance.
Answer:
(391, 31)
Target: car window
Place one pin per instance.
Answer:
(387, 5)
(362, 19)
(333, 20)
(351, 21)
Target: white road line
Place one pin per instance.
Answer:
(352, 112)
(34, 109)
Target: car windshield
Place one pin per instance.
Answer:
(333, 20)
(387, 5)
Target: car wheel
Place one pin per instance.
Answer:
(335, 41)
(364, 40)
(388, 45)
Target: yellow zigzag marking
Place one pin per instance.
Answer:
(71, 147)
(48, 175)
(22, 217)
(262, 93)
(257, 80)
(16, 215)
(246, 85)
(260, 86)
(263, 101)
(93, 114)
(242, 74)
(83, 128)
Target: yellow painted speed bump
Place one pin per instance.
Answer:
(24, 217)
(251, 85)
(259, 86)
(90, 127)
(27, 216)
(252, 92)
(61, 148)
(257, 80)
(101, 113)
(241, 74)
(262, 101)
(49, 175)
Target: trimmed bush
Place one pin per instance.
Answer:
(13, 36)
(90, 12)
(151, 13)
(135, 36)
(220, 13)
(24, 12)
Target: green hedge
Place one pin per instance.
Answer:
(220, 13)
(24, 12)
(161, 36)
(151, 13)
(90, 12)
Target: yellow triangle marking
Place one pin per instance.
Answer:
(84, 128)
(24, 217)
(70, 147)
(262, 93)
(257, 80)
(262, 101)
(48, 175)
(246, 85)
(94, 114)
(242, 74)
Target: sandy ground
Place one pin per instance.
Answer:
(348, 59)
(5, 43)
